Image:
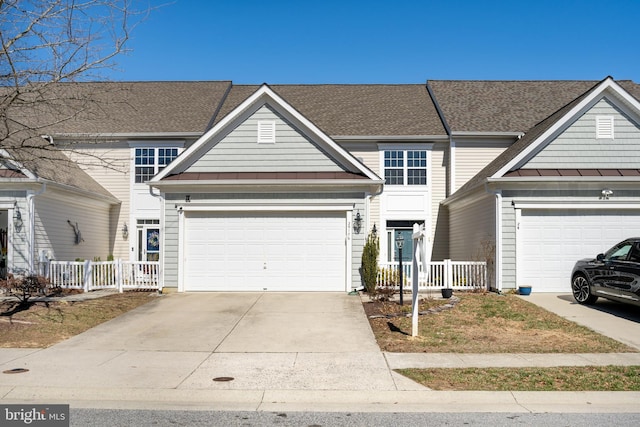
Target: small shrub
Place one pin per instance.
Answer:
(369, 268)
(24, 287)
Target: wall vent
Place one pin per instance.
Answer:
(604, 127)
(266, 132)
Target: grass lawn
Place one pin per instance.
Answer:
(46, 323)
(491, 323)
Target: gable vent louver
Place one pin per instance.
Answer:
(604, 127)
(266, 132)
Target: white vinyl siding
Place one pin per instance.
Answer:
(53, 232)
(117, 181)
(578, 148)
(239, 152)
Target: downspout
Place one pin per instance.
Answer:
(32, 225)
(452, 145)
(498, 230)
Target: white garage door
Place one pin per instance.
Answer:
(244, 251)
(553, 240)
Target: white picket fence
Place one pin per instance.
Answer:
(458, 275)
(93, 275)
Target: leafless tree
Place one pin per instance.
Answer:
(47, 48)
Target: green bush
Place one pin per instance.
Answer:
(369, 267)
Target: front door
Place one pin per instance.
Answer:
(148, 240)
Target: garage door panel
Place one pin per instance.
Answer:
(265, 251)
(553, 240)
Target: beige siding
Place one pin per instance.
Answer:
(471, 225)
(439, 220)
(53, 232)
(472, 156)
(117, 180)
(369, 155)
(239, 151)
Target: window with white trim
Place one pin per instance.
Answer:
(150, 161)
(405, 167)
(604, 127)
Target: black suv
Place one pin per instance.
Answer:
(614, 275)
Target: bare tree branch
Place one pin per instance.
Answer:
(47, 47)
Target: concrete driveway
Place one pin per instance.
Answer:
(285, 341)
(618, 321)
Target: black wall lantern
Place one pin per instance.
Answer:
(357, 223)
(125, 231)
(17, 221)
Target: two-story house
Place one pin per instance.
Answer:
(241, 187)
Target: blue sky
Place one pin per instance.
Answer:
(288, 41)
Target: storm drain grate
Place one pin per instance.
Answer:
(223, 379)
(15, 371)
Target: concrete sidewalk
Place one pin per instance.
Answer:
(296, 352)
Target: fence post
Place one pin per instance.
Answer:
(119, 275)
(448, 273)
(88, 275)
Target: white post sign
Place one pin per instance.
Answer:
(421, 252)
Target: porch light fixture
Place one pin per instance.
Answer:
(374, 230)
(125, 231)
(606, 193)
(399, 245)
(357, 223)
(17, 221)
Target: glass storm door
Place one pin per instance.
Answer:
(149, 243)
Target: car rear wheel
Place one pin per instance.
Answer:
(582, 290)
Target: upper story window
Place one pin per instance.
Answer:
(405, 167)
(150, 161)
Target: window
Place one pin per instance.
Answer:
(150, 161)
(404, 228)
(405, 167)
(604, 127)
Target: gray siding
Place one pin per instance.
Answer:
(171, 223)
(239, 151)
(508, 264)
(577, 147)
(539, 195)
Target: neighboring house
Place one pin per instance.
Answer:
(243, 187)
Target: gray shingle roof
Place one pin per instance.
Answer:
(49, 163)
(503, 106)
(138, 107)
(538, 129)
(356, 110)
